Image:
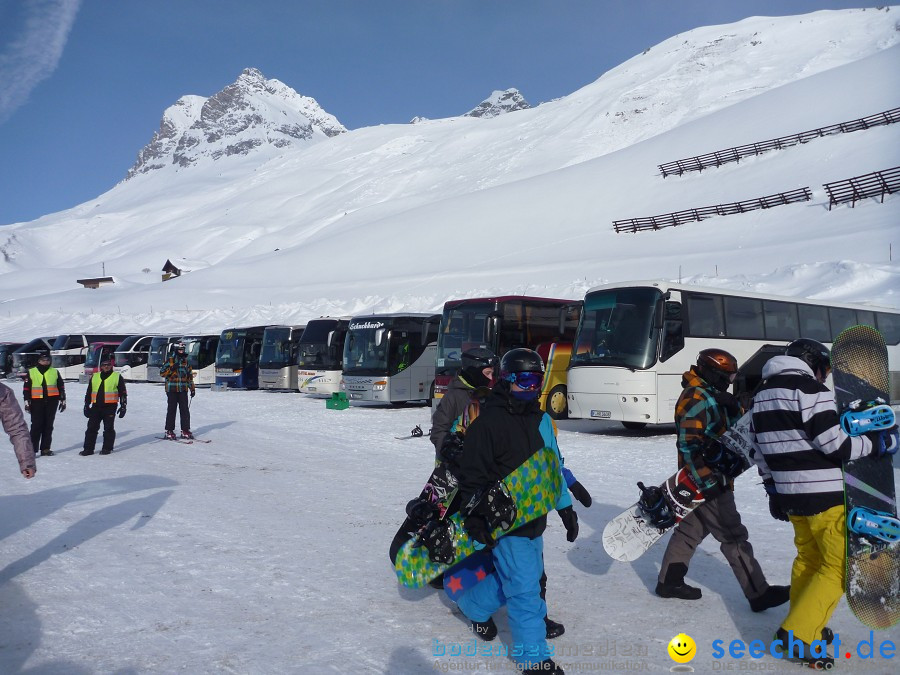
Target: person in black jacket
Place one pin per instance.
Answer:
(478, 370)
(509, 429)
(44, 393)
(105, 393)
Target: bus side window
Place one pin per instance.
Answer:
(673, 331)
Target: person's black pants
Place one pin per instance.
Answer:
(43, 413)
(179, 400)
(107, 415)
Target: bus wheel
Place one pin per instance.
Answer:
(634, 426)
(557, 406)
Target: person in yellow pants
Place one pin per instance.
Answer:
(796, 427)
(818, 574)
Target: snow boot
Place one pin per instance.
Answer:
(105, 452)
(486, 630)
(187, 434)
(554, 629)
(47, 453)
(682, 591)
(170, 435)
(798, 651)
(85, 453)
(544, 667)
(827, 635)
(774, 596)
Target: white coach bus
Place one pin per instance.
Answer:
(278, 358)
(636, 339)
(390, 358)
(320, 355)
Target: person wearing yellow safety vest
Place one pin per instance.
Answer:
(44, 393)
(105, 392)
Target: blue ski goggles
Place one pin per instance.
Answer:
(527, 381)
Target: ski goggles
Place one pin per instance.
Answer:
(527, 381)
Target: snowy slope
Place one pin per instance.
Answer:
(407, 216)
(265, 551)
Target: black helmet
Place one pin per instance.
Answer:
(717, 367)
(479, 358)
(813, 353)
(43, 354)
(521, 360)
(178, 346)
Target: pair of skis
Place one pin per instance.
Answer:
(185, 441)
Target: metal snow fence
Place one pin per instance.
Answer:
(875, 184)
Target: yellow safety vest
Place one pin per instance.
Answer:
(110, 390)
(51, 377)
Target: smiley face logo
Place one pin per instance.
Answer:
(682, 648)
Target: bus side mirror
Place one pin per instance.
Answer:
(330, 338)
(491, 328)
(672, 331)
(379, 337)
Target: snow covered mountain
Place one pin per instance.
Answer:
(245, 115)
(406, 216)
(499, 103)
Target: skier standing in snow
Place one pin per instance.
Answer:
(795, 425)
(105, 393)
(703, 413)
(14, 425)
(45, 393)
(511, 427)
(179, 378)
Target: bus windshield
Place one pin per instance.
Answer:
(462, 327)
(313, 350)
(230, 353)
(158, 347)
(200, 351)
(276, 348)
(617, 329)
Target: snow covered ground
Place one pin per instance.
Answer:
(265, 551)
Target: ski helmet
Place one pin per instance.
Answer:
(521, 360)
(717, 367)
(178, 346)
(812, 353)
(43, 354)
(479, 358)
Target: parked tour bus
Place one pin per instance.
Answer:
(69, 351)
(159, 351)
(26, 356)
(390, 357)
(546, 325)
(131, 357)
(6, 357)
(201, 353)
(635, 340)
(278, 358)
(97, 353)
(320, 355)
(237, 357)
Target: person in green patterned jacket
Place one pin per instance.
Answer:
(703, 413)
(179, 378)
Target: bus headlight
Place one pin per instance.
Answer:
(380, 385)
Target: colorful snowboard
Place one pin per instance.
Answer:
(630, 534)
(859, 364)
(534, 487)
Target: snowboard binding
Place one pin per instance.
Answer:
(420, 511)
(437, 537)
(655, 507)
(725, 460)
(495, 505)
(870, 523)
(862, 417)
(416, 431)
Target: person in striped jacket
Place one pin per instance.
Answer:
(795, 425)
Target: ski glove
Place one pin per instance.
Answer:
(27, 406)
(192, 393)
(580, 493)
(570, 520)
(714, 490)
(884, 442)
(477, 528)
(729, 402)
(62, 405)
(775, 509)
(121, 411)
(451, 448)
(87, 410)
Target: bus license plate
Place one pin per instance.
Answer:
(601, 414)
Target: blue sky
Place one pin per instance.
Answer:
(83, 85)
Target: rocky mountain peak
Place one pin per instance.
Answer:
(251, 113)
(499, 103)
